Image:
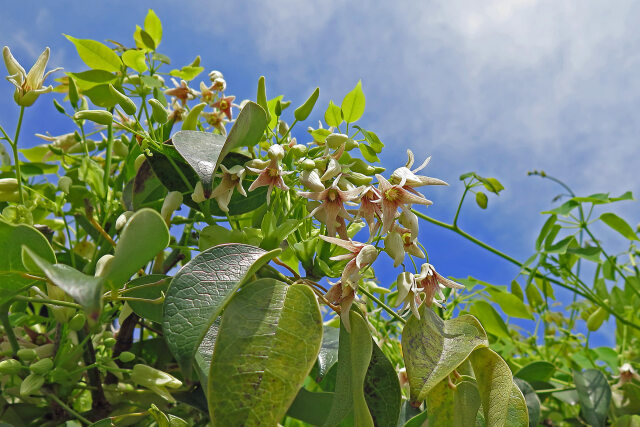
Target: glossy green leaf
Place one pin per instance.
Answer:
(353, 104)
(510, 304)
(495, 384)
(564, 209)
(333, 115)
(594, 394)
(619, 225)
(261, 97)
(199, 292)
(90, 78)
(590, 253)
(489, 318)
(191, 121)
(302, 112)
(354, 356)
(268, 341)
(248, 128)
(187, 72)
(550, 222)
(202, 151)
(328, 355)
(482, 200)
(141, 239)
(12, 239)
(538, 371)
(101, 96)
(85, 290)
(135, 59)
(433, 348)
(146, 188)
(531, 399)
(368, 153)
(96, 55)
(382, 389)
(150, 287)
(311, 407)
(372, 139)
(153, 27)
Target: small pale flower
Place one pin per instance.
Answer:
(181, 91)
(28, 85)
(275, 152)
(198, 193)
(409, 294)
(409, 177)
(215, 74)
(394, 197)
(224, 104)
(627, 374)
(432, 283)
(333, 199)
(206, 94)
(394, 247)
(177, 111)
(216, 119)
(409, 220)
(219, 85)
(231, 179)
(344, 296)
(371, 208)
(270, 176)
(311, 180)
(360, 256)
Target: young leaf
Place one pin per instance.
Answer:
(191, 121)
(199, 292)
(153, 27)
(354, 356)
(248, 128)
(333, 115)
(550, 222)
(141, 239)
(187, 73)
(466, 401)
(594, 395)
(268, 340)
(135, 59)
(12, 239)
(353, 104)
(302, 112)
(489, 318)
(538, 371)
(510, 304)
(433, 348)
(619, 225)
(482, 199)
(368, 153)
(96, 55)
(440, 404)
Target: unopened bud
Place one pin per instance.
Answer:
(77, 322)
(103, 264)
(10, 367)
(366, 256)
(171, 203)
(148, 376)
(410, 221)
(257, 164)
(394, 246)
(311, 180)
(41, 367)
(8, 184)
(31, 384)
(139, 161)
(359, 178)
(275, 152)
(335, 140)
(122, 219)
(126, 357)
(283, 128)
(299, 150)
(64, 184)
(26, 354)
(333, 169)
(102, 117)
(198, 193)
(307, 164)
(158, 113)
(128, 106)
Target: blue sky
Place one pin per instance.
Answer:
(499, 87)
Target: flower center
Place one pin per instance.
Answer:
(332, 195)
(273, 172)
(223, 104)
(392, 194)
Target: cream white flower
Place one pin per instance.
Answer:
(360, 256)
(409, 177)
(231, 179)
(28, 85)
(432, 284)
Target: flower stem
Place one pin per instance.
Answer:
(384, 306)
(68, 409)
(14, 148)
(4, 318)
(48, 301)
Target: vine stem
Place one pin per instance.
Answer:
(384, 306)
(6, 324)
(69, 410)
(501, 254)
(48, 301)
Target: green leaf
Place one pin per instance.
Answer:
(261, 97)
(248, 128)
(466, 402)
(141, 239)
(153, 27)
(619, 225)
(440, 405)
(353, 104)
(188, 72)
(139, 288)
(433, 348)
(90, 78)
(489, 318)
(101, 96)
(368, 153)
(539, 371)
(302, 112)
(373, 140)
(594, 395)
(147, 40)
(199, 292)
(269, 338)
(85, 290)
(202, 151)
(311, 407)
(517, 411)
(510, 304)
(333, 115)
(495, 385)
(550, 222)
(191, 121)
(328, 355)
(135, 59)
(146, 188)
(482, 200)
(590, 253)
(531, 399)
(382, 389)
(12, 239)
(354, 356)
(561, 246)
(564, 209)
(96, 55)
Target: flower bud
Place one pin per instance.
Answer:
(8, 184)
(311, 180)
(102, 117)
(307, 164)
(198, 193)
(394, 246)
(299, 150)
(128, 106)
(103, 264)
(359, 178)
(596, 319)
(9, 196)
(147, 376)
(335, 140)
(26, 354)
(333, 169)
(257, 164)
(171, 203)
(77, 322)
(139, 161)
(410, 221)
(283, 128)
(109, 342)
(366, 256)
(122, 219)
(404, 283)
(215, 74)
(158, 113)
(31, 384)
(126, 357)
(10, 367)
(359, 165)
(275, 152)
(42, 367)
(120, 149)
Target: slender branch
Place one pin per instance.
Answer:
(69, 410)
(14, 148)
(384, 306)
(48, 301)
(8, 330)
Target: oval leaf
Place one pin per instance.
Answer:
(200, 290)
(619, 224)
(594, 395)
(269, 338)
(382, 389)
(433, 348)
(151, 288)
(96, 55)
(135, 59)
(353, 104)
